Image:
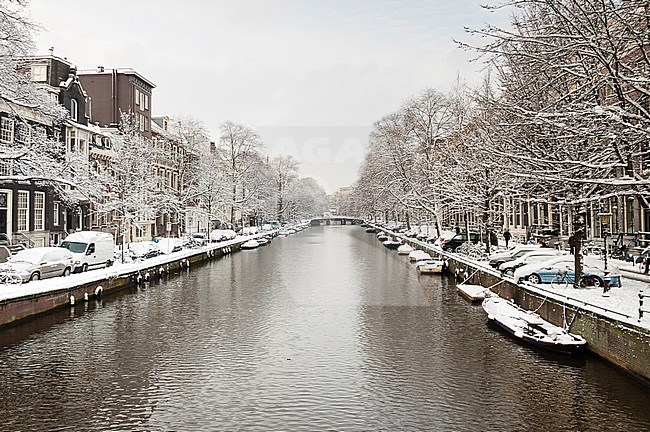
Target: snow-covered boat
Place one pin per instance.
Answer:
(418, 255)
(434, 266)
(405, 249)
(473, 293)
(263, 241)
(382, 237)
(250, 244)
(371, 230)
(530, 327)
(392, 244)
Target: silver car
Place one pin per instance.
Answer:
(40, 263)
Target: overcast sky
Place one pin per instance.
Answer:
(310, 76)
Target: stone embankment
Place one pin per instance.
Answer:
(31, 299)
(618, 337)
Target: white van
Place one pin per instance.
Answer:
(91, 249)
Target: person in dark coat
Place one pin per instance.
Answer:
(507, 236)
(572, 244)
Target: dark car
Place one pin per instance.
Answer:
(458, 239)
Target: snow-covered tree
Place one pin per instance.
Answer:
(284, 172)
(134, 192)
(239, 149)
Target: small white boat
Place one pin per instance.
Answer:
(473, 293)
(530, 327)
(405, 249)
(432, 266)
(250, 244)
(418, 255)
(263, 241)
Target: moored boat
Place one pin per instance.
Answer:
(382, 237)
(418, 255)
(432, 266)
(392, 244)
(371, 230)
(473, 293)
(405, 249)
(530, 327)
(250, 244)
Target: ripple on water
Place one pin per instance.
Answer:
(324, 330)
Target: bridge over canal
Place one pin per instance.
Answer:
(336, 220)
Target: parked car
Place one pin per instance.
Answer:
(535, 256)
(222, 235)
(168, 245)
(593, 272)
(449, 240)
(444, 237)
(249, 231)
(91, 249)
(498, 258)
(40, 263)
(200, 238)
(143, 250)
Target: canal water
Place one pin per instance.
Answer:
(322, 330)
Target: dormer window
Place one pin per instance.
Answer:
(74, 109)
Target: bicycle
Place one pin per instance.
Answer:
(9, 278)
(563, 280)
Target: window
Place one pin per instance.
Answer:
(6, 168)
(39, 211)
(146, 102)
(39, 73)
(72, 140)
(6, 130)
(23, 133)
(74, 109)
(23, 210)
(56, 210)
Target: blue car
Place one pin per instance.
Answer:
(563, 272)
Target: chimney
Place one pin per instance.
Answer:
(100, 69)
(52, 51)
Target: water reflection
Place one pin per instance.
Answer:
(323, 330)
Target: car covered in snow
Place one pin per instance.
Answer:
(169, 245)
(498, 258)
(562, 269)
(542, 254)
(250, 231)
(222, 235)
(143, 250)
(40, 263)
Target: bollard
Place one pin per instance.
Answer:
(641, 296)
(606, 286)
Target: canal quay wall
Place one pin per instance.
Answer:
(95, 283)
(613, 336)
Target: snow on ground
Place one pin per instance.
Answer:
(620, 303)
(8, 292)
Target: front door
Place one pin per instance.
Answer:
(4, 209)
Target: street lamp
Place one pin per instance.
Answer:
(604, 231)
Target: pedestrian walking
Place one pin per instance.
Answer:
(507, 236)
(572, 244)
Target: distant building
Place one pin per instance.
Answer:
(115, 91)
(342, 200)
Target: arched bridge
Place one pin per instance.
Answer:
(336, 220)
